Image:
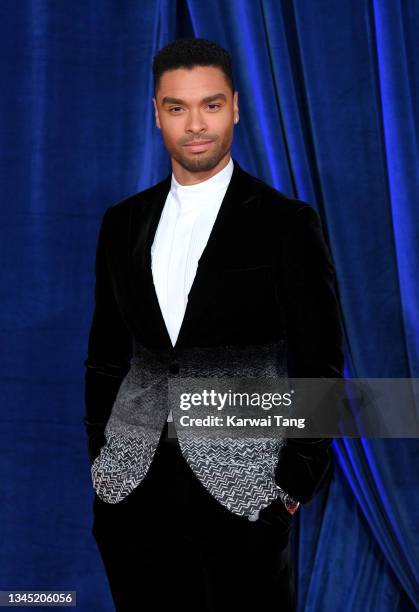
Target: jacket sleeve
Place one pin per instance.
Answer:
(314, 345)
(109, 349)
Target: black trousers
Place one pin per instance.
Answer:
(170, 544)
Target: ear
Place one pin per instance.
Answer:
(156, 113)
(236, 106)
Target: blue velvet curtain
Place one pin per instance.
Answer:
(328, 98)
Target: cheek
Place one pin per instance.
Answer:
(171, 138)
(227, 131)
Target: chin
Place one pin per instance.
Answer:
(198, 161)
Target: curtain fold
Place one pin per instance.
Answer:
(328, 99)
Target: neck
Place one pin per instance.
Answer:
(185, 177)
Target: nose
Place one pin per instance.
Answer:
(196, 123)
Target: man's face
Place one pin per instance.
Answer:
(185, 115)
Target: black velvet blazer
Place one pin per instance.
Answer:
(265, 275)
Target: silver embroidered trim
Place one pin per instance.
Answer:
(239, 473)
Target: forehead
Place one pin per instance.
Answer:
(192, 84)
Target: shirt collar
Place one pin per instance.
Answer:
(185, 194)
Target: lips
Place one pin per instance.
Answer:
(199, 145)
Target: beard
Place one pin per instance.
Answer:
(203, 161)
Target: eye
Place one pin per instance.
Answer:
(177, 107)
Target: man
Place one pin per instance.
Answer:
(211, 272)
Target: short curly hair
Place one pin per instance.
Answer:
(190, 52)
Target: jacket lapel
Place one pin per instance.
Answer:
(239, 191)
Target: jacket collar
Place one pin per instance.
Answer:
(240, 191)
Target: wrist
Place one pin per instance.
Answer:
(290, 503)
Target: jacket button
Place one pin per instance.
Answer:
(174, 368)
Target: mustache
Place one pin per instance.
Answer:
(199, 140)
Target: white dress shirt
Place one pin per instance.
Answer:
(181, 236)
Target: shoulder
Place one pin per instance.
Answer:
(122, 208)
(278, 205)
(121, 211)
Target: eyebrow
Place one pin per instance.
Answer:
(217, 96)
